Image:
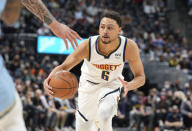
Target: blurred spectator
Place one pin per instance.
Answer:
(161, 112)
(174, 120)
(51, 111)
(170, 5)
(190, 7)
(44, 30)
(123, 113)
(149, 108)
(149, 7)
(39, 110)
(66, 112)
(186, 110)
(184, 64)
(136, 115)
(92, 10)
(158, 41)
(28, 107)
(173, 62)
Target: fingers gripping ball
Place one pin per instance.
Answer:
(64, 84)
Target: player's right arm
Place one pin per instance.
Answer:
(81, 52)
(61, 30)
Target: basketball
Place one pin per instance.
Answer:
(64, 84)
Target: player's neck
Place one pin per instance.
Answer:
(106, 48)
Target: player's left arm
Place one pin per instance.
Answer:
(132, 54)
(38, 8)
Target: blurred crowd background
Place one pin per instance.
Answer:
(161, 28)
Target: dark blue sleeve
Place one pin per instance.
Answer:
(168, 117)
(180, 117)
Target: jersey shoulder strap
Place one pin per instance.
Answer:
(92, 41)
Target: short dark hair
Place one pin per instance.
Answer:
(112, 15)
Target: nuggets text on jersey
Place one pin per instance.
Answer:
(106, 66)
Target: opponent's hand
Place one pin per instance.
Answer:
(48, 89)
(64, 32)
(125, 85)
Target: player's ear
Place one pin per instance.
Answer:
(120, 29)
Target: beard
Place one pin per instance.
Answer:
(105, 42)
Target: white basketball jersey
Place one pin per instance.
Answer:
(103, 68)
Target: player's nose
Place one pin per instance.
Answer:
(105, 30)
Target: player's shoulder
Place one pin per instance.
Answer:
(93, 38)
(131, 49)
(128, 40)
(86, 42)
(131, 44)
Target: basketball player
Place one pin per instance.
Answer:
(12, 10)
(11, 116)
(101, 78)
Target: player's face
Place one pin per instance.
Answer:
(108, 30)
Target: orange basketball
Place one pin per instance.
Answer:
(64, 84)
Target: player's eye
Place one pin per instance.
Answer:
(102, 27)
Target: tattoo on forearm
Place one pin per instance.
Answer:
(38, 8)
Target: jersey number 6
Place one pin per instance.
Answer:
(105, 75)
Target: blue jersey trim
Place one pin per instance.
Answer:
(108, 55)
(124, 49)
(82, 115)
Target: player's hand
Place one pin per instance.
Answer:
(125, 85)
(64, 32)
(48, 89)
